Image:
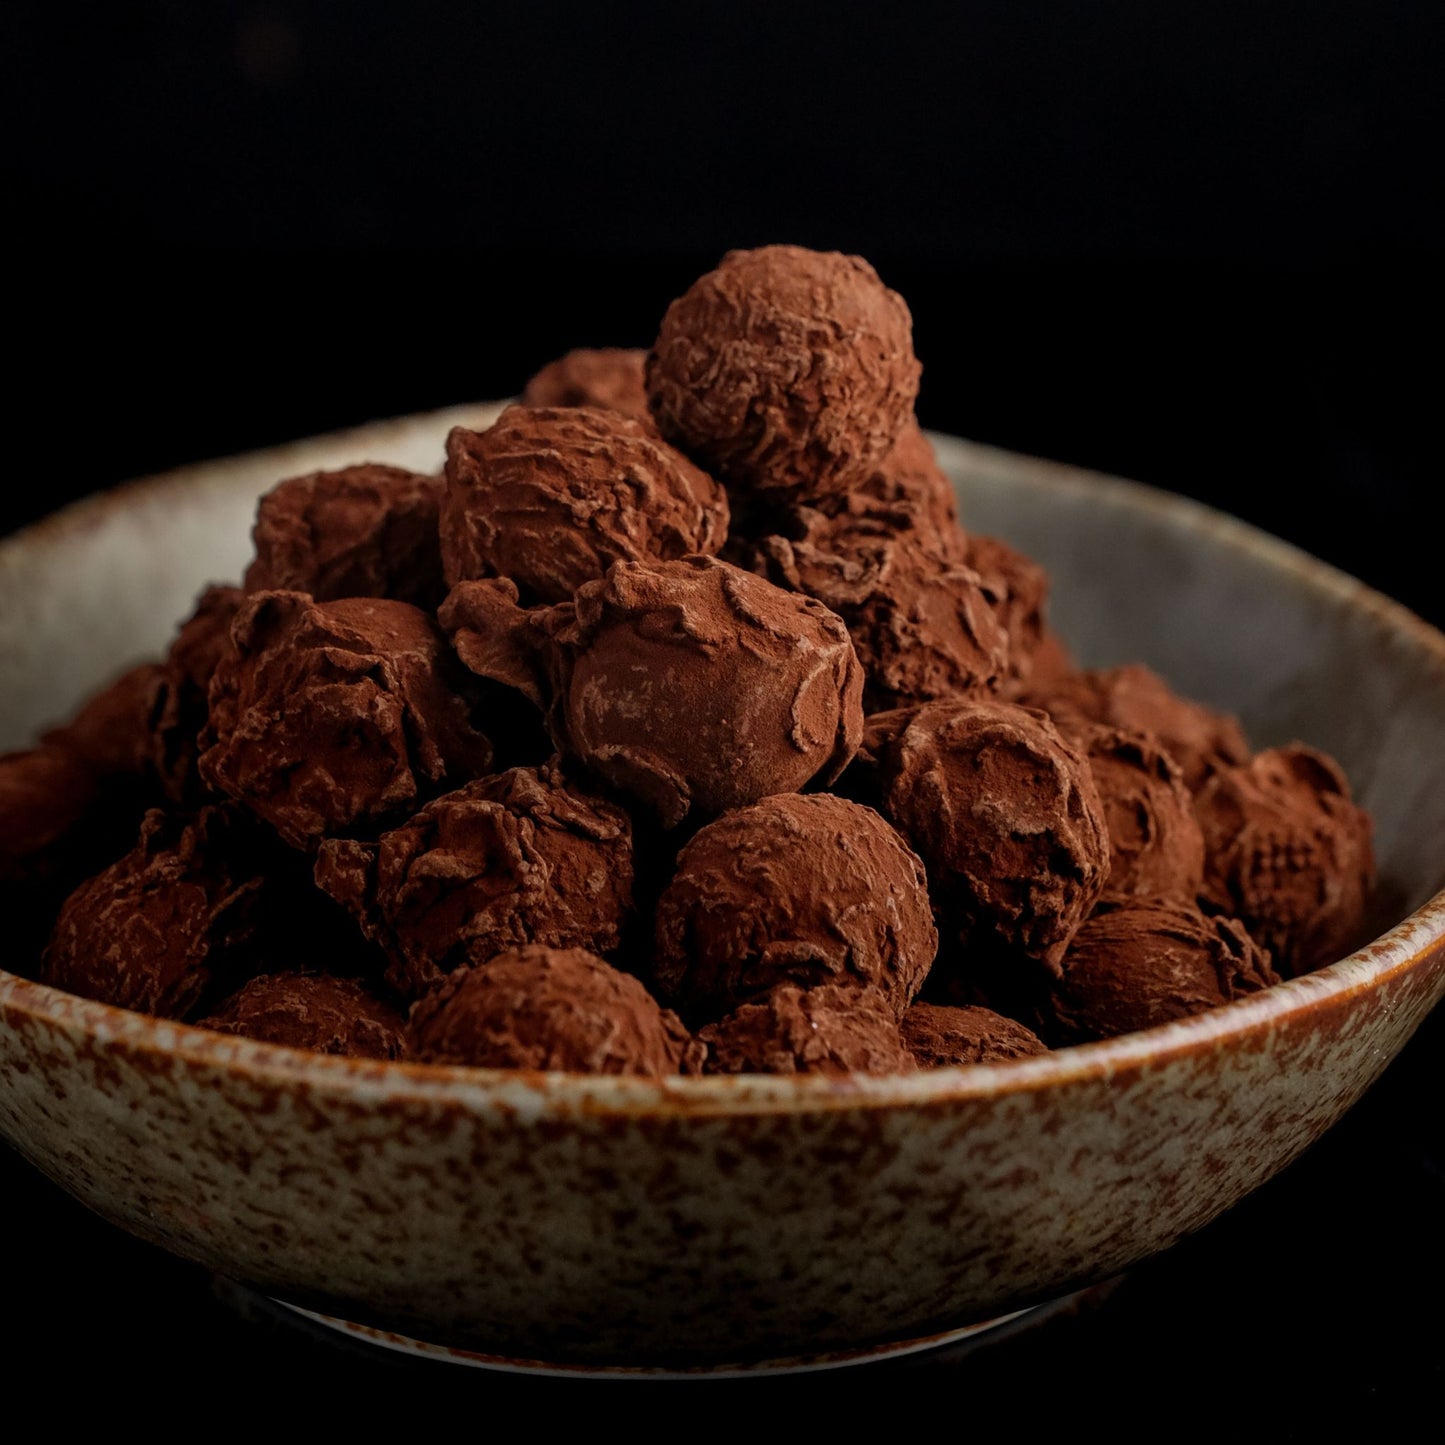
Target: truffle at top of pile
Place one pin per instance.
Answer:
(677, 726)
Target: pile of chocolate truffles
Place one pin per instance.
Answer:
(677, 727)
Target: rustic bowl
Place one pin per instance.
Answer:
(725, 1221)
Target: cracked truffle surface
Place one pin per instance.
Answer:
(691, 687)
(789, 1030)
(807, 889)
(549, 1008)
(315, 1011)
(1006, 817)
(519, 858)
(610, 377)
(1132, 697)
(1289, 854)
(149, 932)
(551, 497)
(365, 531)
(785, 370)
(938, 1035)
(1139, 962)
(922, 627)
(329, 716)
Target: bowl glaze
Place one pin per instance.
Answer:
(705, 1222)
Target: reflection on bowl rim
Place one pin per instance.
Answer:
(534, 1094)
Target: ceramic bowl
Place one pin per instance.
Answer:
(725, 1221)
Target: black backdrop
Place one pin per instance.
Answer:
(1195, 244)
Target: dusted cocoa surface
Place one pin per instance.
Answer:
(1020, 590)
(149, 932)
(1290, 854)
(332, 716)
(549, 1008)
(807, 889)
(1139, 962)
(609, 377)
(550, 497)
(785, 370)
(791, 1030)
(1006, 817)
(938, 1035)
(522, 857)
(1132, 697)
(312, 1011)
(910, 476)
(363, 531)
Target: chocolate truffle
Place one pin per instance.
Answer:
(313, 1011)
(922, 627)
(909, 476)
(1138, 962)
(523, 857)
(1006, 818)
(1020, 590)
(789, 1030)
(806, 889)
(610, 377)
(364, 531)
(150, 931)
(180, 706)
(112, 730)
(1289, 854)
(329, 716)
(689, 686)
(785, 370)
(551, 497)
(549, 1008)
(1132, 697)
(938, 1035)
(49, 802)
(1156, 849)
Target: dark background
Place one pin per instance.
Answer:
(1194, 244)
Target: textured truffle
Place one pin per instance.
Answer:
(922, 627)
(1156, 848)
(111, 732)
(909, 476)
(1006, 818)
(1019, 588)
(1132, 697)
(319, 1012)
(150, 931)
(548, 1008)
(551, 497)
(938, 1035)
(1139, 962)
(1289, 854)
(611, 377)
(789, 1030)
(364, 531)
(786, 370)
(330, 716)
(806, 889)
(519, 858)
(690, 686)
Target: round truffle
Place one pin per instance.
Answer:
(1156, 849)
(830, 1029)
(523, 857)
(786, 370)
(805, 889)
(329, 716)
(1007, 820)
(315, 1011)
(922, 627)
(364, 531)
(940, 1035)
(551, 497)
(1138, 962)
(548, 1008)
(150, 931)
(1132, 697)
(1289, 854)
(610, 377)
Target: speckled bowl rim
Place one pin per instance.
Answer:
(536, 1095)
